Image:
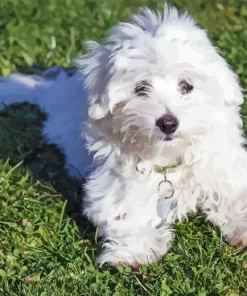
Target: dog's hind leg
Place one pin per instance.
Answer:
(231, 217)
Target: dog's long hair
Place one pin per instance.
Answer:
(133, 79)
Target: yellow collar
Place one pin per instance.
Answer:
(169, 168)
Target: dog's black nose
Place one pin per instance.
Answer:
(167, 123)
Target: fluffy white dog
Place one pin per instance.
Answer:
(164, 129)
(166, 133)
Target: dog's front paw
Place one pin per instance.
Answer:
(133, 265)
(239, 243)
(239, 240)
(144, 246)
(115, 258)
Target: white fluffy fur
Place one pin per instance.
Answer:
(163, 48)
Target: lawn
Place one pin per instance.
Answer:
(46, 247)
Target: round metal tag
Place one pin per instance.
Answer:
(165, 189)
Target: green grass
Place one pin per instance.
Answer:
(45, 251)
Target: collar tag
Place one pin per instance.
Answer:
(164, 203)
(164, 207)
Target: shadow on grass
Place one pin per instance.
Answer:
(21, 139)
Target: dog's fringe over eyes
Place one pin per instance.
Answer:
(142, 88)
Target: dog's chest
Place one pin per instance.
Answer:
(149, 194)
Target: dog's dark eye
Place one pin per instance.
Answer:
(142, 88)
(185, 87)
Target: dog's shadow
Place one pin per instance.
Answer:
(21, 139)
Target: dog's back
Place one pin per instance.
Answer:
(64, 99)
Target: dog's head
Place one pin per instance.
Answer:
(162, 81)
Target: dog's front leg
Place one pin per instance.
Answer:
(124, 209)
(131, 245)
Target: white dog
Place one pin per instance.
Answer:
(164, 129)
(167, 138)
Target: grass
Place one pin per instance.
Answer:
(46, 247)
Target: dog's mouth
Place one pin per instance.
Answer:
(167, 137)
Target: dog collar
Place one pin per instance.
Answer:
(160, 169)
(168, 169)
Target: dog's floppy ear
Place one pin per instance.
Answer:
(229, 84)
(95, 67)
